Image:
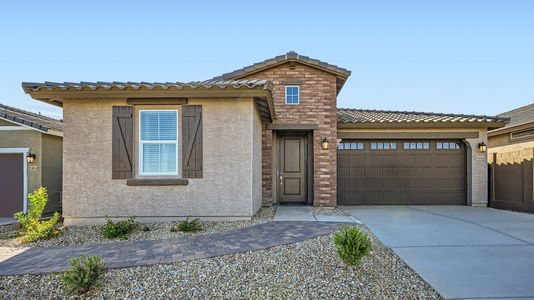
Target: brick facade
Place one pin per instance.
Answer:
(318, 97)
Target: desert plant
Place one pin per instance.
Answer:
(187, 226)
(120, 230)
(84, 273)
(33, 229)
(352, 245)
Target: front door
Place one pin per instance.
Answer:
(292, 169)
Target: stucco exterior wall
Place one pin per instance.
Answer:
(225, 191)
(477, 168)
(52, 170)
(504, 142)
(256, 162)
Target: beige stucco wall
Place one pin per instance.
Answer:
(477, 168)
(225, 191)
(52, 170)
(256, 162)
(46, 169)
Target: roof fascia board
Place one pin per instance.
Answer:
(416, 125)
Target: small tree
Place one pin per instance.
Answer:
(33, 228)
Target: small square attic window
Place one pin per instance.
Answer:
(292, 94)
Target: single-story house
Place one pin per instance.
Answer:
(266, 134)
(30, 157)
(511, 155)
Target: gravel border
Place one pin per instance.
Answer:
(328, 211)
(309, 269)
(84, 235)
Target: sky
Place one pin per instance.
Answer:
(468, 56)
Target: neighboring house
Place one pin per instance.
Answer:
(30, 157)
(269, 133)
(517, 134)
(511, 153)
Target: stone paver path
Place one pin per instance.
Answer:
(142, 253)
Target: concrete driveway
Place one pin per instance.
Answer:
(463, 252)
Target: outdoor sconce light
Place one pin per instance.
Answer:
(30, 157)
(324, 143)
(482, 147)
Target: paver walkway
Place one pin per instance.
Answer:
(141, 253)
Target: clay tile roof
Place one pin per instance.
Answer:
(222, 84)
(30, 119)
(290, 56)
(349, 115)
(520, 115)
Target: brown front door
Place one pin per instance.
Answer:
(292, 169)
(11, 184)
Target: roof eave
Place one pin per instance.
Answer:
(508, 129)
(56, 97)
(422, 125)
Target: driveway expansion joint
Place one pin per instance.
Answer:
(472, 223)
(149, 252)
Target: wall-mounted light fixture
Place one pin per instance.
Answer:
(324, 143)
(482, 147)
(30, 157)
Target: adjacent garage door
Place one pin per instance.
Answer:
(401, 172)
(11, 184)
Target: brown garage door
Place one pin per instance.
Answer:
(401, 172)
(11, 184)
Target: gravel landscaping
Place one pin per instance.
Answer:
(309, 269)
(83, 235)
(328, 211)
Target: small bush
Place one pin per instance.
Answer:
(84, 273)
(120, 230)
(187, 226)
(33, 229)
(352, 245)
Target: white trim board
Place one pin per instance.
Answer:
(49, 131)
(13, 128)
(24, 152)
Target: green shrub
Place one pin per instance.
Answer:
(352, 245)
(84, 273)
(33, 229)
(120, 229)
(187, 226)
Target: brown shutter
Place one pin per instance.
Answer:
(192, 141)
(122, 140)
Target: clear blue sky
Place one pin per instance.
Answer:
(442, 56)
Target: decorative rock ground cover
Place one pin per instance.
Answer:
(85, 235)
(304, 270)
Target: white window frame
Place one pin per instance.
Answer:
(298, 94)
(24, 152)
(141, 142)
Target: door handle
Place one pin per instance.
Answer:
(281, 180)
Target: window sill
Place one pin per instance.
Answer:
(157, 182)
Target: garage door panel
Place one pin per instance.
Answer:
(401, 176)
(11, 184)
(423, 172)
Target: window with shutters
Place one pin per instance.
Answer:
(158, 142)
